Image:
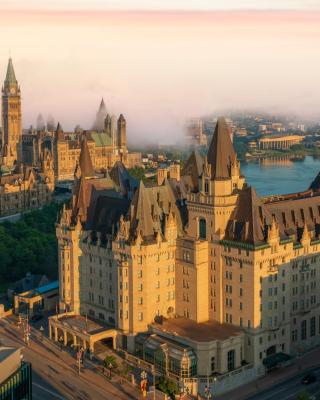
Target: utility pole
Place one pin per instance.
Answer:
(154, 381)
(78, 355)
(207, 389)
(26, 329)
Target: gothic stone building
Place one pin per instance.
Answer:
(197, 275)
(107, 143)
(21, 187)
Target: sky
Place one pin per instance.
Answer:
(206, 5)
(163, 63)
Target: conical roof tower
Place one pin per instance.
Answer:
(10, 76)
(221, 153)
(85, 162)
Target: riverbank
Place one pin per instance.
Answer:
(295, 154)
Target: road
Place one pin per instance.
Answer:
(42, 389)
(55, 374)
(290, 389)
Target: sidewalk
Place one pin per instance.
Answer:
(310, 360)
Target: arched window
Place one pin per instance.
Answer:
(202, 228)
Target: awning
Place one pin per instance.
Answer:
(274, 360)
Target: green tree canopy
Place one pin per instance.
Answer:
(29, 245)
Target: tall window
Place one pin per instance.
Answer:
(213, 364)
(202, 228)
(303, 330)
(313, 326)
(206, 186)
(231, 360)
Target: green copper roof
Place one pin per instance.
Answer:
(101, 139)
(10, 77)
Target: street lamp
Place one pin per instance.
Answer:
(26, 330)
(60, 341)
(110, 366)
(207, 391)
(79, 360)
(41, 330)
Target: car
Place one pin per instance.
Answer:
(310, 378)
(36, 317)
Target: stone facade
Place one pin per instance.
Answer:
(21, 187)
(199, 249)
(107, 145)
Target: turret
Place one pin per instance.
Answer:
(122, 136)
(59, 135)
(11, 118)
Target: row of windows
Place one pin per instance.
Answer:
(100, 286)
(94, 258)
(228, 249)
(304, 276)
(304, 304)
(304, 331)
(157, 257)
(101, 300)
(109, 275)
(229, 290)
(304, 289)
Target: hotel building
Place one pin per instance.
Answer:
(197, 275)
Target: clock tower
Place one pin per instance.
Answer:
(11, 119)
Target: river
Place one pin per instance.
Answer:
(280, 176)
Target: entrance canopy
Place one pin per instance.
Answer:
(275, 360)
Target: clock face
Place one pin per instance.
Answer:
(12, 90)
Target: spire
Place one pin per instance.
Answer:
(100, 117)
(221, 153)
(59, 133)
(10, 77)
(59, 128)
(102, 106)
(85, 162)
(249, 219)
(142, 221)
(305, 233)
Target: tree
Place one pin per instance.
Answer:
(168, 386)
(29, 245)
(110, 360)
(125, 369)
(137, 173)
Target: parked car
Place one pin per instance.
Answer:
(310, 378)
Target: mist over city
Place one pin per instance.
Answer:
(159, 200)
(161, 68)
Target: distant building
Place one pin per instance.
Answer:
(28, 283)
(278, 126)
(107, 145)
(195, 134)
(263, 127)
(21, 187)
(241, 132)
(15, 375)
(41, 299)
(252, 145)
(279, 143)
